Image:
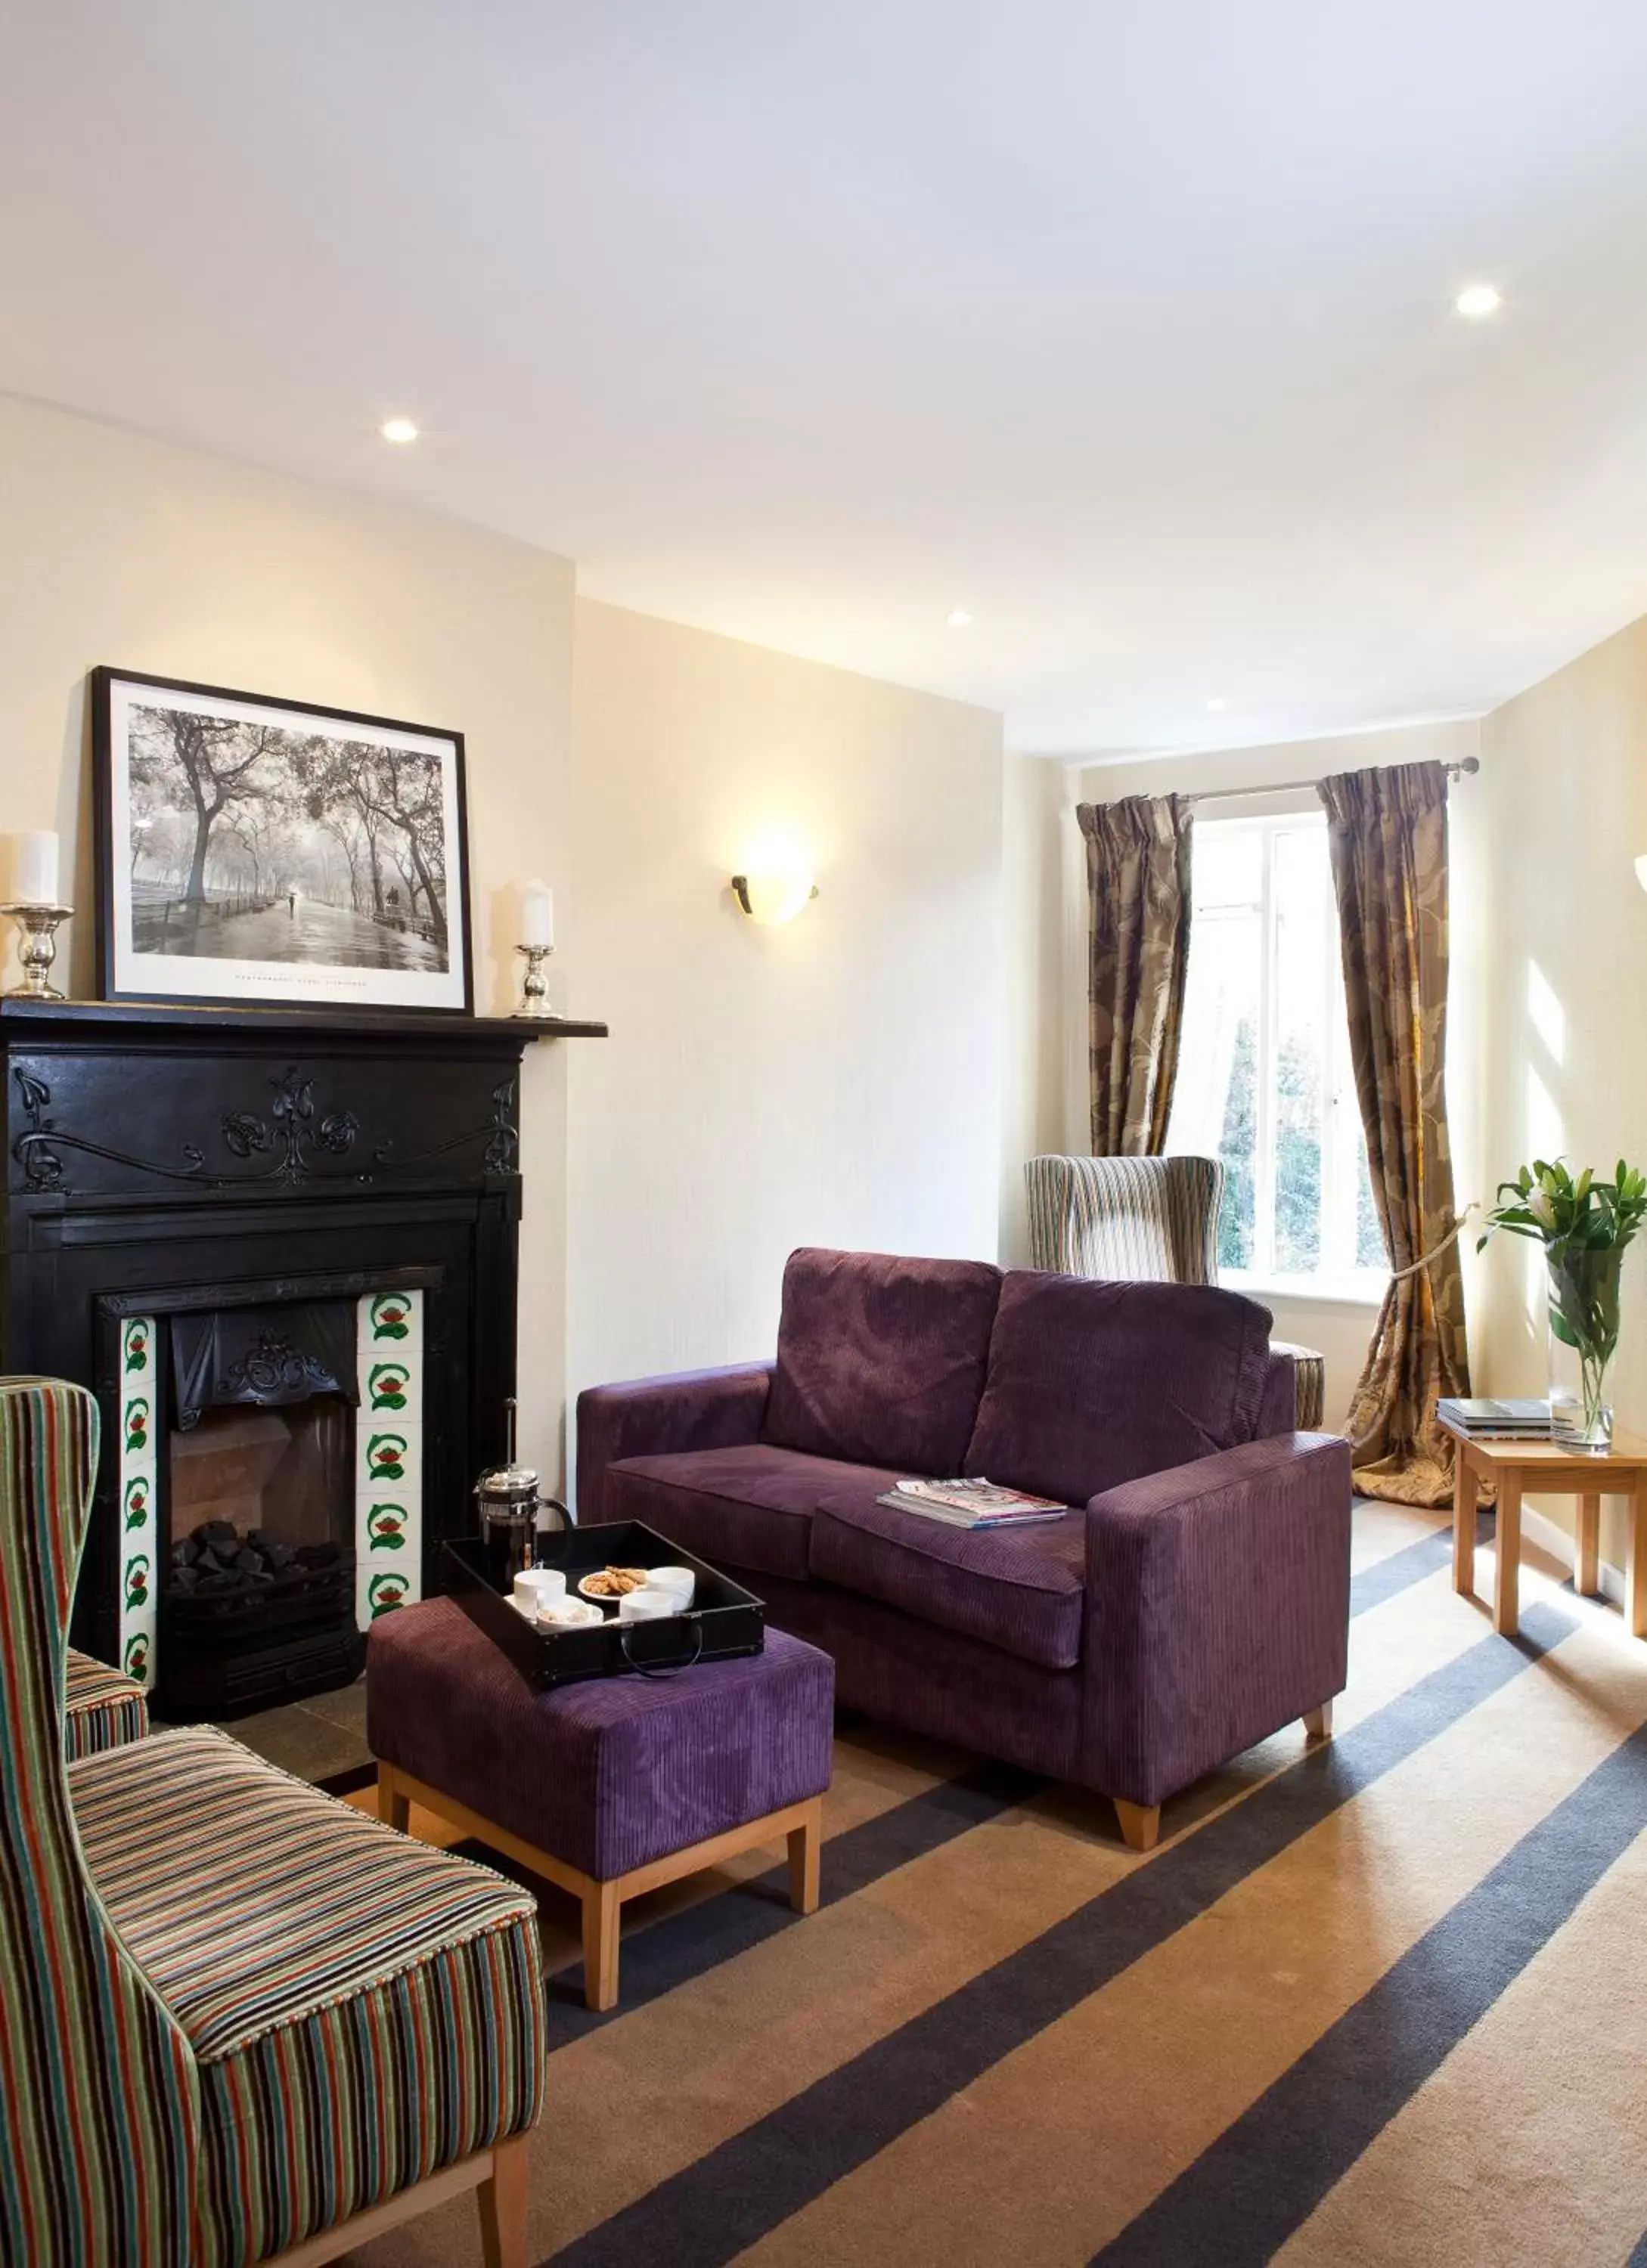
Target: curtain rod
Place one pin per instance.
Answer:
(1291, 787)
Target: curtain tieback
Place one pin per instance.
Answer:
(1400, 1274)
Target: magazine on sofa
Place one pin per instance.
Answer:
(972, 1503)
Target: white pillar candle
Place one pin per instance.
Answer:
(35, 877)
(537, 914)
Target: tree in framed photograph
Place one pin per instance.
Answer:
(261, 850)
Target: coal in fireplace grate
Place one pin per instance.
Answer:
(257, 1602)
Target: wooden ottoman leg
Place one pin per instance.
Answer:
(805, 1850)
(502, 2198)
(1140, 1824)
(1318, 1723)
(601, 1910)
(394, 1808)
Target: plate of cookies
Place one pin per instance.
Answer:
(606, 1586)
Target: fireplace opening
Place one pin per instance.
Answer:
(257, 1601)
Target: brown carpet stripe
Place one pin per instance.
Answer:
(1283, 2034)
(738, 2192)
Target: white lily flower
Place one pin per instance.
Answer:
(1542, 1207)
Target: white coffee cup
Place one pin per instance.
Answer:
(534, 1587)
(646, 1604)
(680, 1582)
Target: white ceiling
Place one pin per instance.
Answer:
(1125, 324)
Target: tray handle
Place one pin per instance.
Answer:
(656, 1668)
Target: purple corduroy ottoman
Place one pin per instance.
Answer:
(607, 1787)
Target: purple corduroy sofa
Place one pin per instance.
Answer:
(1195, 1600)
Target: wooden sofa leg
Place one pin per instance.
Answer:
(1318, 1723)
(1140, 1824)
(502, 2200)
(394, 1808)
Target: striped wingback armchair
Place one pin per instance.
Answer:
(239, 2021)
(1144, 1221)
(1134, 1220)
(102, 1707)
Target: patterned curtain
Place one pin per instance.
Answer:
(1138, 888)
(1387, 831)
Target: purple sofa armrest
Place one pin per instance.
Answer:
(654, 1416)
(1217, 1609)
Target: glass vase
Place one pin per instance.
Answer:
(1584, 1338)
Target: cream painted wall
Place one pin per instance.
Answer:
(1565, 775)
(1036, 805)
(1338, 1327)
(835, 1081)
(122, 549)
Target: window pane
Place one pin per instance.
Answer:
(1300, 883)
(1227, 867)
(1215, 1102)
(1237, 1146)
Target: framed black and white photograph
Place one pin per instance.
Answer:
(252, 850)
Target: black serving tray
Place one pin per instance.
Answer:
(724, 1620)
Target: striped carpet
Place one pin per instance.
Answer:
(1384, 2002)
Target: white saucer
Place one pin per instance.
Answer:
(588, 1616)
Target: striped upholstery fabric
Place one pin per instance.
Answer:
(231, 2010)
(363, 2009)
(1309, 1371)
(103, 1708)
(1133, 1221)
(98, 2097)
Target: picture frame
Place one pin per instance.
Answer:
(253, 849)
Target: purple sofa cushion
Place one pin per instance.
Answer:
(609, 1773)
(1020, 1592)
(1091, 1383)
(741, 1508)
(881, 1360)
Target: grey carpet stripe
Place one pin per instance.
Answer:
(688, 1944)
(738, 2192)
(1386, 1577)
(1638, 2258)
(1246, 2194)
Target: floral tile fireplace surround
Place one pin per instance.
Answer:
(234, 1195)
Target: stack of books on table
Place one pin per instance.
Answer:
(1490, 1420)
(972, 1503)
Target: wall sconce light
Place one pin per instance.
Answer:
(773, 893)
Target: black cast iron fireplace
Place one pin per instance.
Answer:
(204, 1210)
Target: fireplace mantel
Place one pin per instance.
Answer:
(121, 1022)
(163, 1159)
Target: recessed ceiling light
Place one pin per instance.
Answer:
(400, 431)
(960, 620)
(1479, 299)
(1216, 705)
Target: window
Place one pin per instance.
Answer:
(1264, 1072)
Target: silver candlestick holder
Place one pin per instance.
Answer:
(36, 949)
(534, 987)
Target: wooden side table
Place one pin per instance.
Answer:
(1550, 1468)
